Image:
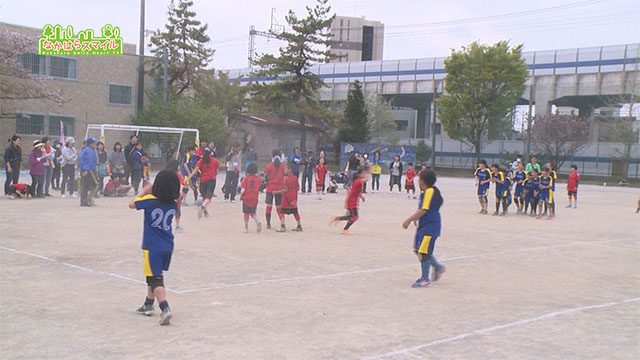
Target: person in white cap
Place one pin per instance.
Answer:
(68, 161)
(37, 158)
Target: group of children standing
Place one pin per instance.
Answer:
(534, 190)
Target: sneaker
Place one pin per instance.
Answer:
(146, 310)
(200, 212)
(569, 206)
(165, 317)
(282, 229)
(297, 228)
(268, 226)
(206, 213)
(575, 206)
(233, 201)
(539, 217)
(63, 196)
(495, 213)
(225, 200)
(259, 227)
(334, 221)
(179, 228)
(246, 230)
(550, 217)
(421, 283)
(346, 232)
(414, 197)
(47, 194)
(75, 196)
(438, 273)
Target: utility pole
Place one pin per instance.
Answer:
(527, 147)
(433, 127)
(140, 103)
(274, 33)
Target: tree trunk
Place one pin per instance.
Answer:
(303, 134)
(625, 160)
(478, 148)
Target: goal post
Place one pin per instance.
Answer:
(160, 143)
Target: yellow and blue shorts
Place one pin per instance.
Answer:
(155, 261)
(424, 242)
(546, 196)
(483, 189)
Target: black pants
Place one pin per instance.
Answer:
(55, 178)
(68, 178)
(37, 185)
(375, 181)
(136, 178)
(88, 187)
(231, 185)
(307, 179)
(394, 180)
(128, 173)
(12, 178)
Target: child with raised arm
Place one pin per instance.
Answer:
(429, 224)
(159, 204)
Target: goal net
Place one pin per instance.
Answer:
(159, 143)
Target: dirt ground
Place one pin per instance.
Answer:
(516, 287)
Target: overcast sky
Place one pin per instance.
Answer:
(414, 28)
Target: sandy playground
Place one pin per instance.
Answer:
(516, 287)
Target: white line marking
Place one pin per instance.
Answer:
(78, 266)
(500, 327)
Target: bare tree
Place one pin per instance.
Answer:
(559, 137)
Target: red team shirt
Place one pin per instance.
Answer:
(572, 181)
(290, 196)
(409, 176)
(353, 197)
(276, 177)
(321, 173)
(208, 171)
(251, 186)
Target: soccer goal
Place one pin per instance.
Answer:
(160, 143)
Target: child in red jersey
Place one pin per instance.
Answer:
(250, 190)
(321, 175)
(274, 175)
(572, 186)
(351, 204)
(409, 184)
(290, 198)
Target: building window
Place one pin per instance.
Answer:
(402, 125)
(62, 67)
(120, 94)
(33, 62)
(68, 122)
(29, 124)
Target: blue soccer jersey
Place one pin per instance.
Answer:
(501, 189)
(430, 200)
(482, 175)
(158, 218)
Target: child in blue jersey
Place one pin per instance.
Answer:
(528, 187)
(483, 179)
(159, 202)
(519, 178)
(429, 224)
(502, 189)
(545, 194)
(554, 176)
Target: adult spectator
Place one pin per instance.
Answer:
(128, 152)
(296, 158)
(137, 167)
(88, 162)
(352, 165)
(514, 165)
(103, 166)
(233, 172)
(57, 168)
(50, 154)
(117, 162)
(395, 169)
(533, 164)
(309, 163)
(376, 170)
(214, 149)
(12, 162)
(68, 161)
(37, 158)
(365, 163)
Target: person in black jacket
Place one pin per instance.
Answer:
(12, 161)
(309, 163)
(128, 152)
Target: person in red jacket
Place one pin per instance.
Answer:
(572, 186)
(250, 191)
(274, 174)
(321, 175)
(290, 198)
(351, 204)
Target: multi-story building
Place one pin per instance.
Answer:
(357, 39)
(96, 90)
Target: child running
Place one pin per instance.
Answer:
(483, 179)
(429, 224)
(249, 193)
(572, 186)
(409, 184)
(351, 204)
(321, 175)
(159, 204)
(274, 174)
(518, 178)
(208, 167)
(290, 199)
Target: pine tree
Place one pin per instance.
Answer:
(185, 41)
(355, 124)
(295, 91)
